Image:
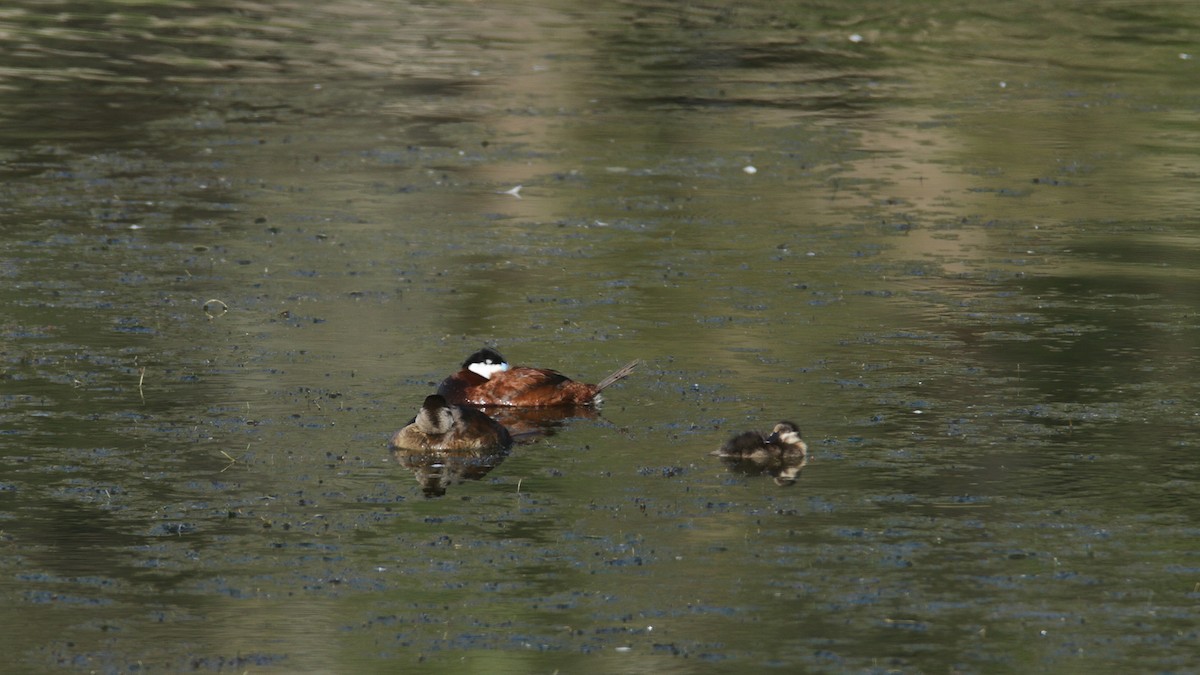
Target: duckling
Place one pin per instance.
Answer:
(486, 379)
(442, 427)
(783, 441)
(780, 454)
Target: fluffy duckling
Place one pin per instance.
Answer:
(486, 379)
(783, 441)
(442, 427)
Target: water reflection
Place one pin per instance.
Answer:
(785, 470)
(529, 424)
(437, 470)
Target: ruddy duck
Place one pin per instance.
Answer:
(783, 441)
(780, 454)
(441, 427)
(487, 379)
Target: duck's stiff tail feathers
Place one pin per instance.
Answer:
(618, 374)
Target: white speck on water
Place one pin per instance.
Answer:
(855, 37)
(516, 192)
(1185, 56)
(750, 169)
(624, 649)
(1003, 84)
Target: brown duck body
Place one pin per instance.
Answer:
(520, 386)
(442, 427)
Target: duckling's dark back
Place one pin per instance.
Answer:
(745, 443)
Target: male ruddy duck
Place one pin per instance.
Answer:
(487, 379)
(783, 441)
(442, 427)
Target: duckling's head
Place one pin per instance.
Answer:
(436, 416)
(486, 362)
(787, 434)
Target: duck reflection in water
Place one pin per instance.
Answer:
(445, 444)
(529, 424)
(782, 454)
(438, 470)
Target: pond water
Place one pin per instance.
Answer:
(957, 245)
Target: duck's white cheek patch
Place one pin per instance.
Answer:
(487, 369)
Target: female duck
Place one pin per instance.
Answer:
(441, 427)
(487, 379)
(783, 441)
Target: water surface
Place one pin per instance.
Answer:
(242, 242)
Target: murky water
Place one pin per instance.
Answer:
(957, 245)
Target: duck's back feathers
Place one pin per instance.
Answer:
(744, 444)
(485, 380)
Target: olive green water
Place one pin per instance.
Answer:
(240, 241)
